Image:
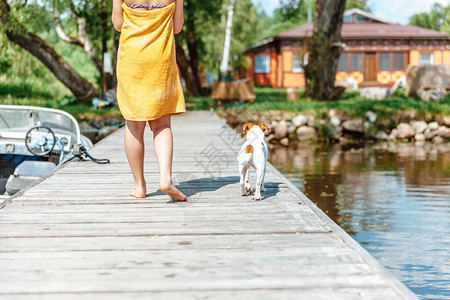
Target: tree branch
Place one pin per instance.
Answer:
(60, 31)
(82, 39)
(79, 86)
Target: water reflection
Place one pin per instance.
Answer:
(394, 199)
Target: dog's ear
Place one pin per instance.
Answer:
(247, 127)
(264, 126)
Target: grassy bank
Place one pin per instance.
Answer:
(30, 93)
(350, 103)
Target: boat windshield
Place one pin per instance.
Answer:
(16, 121)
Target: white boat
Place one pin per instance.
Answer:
(33, 142)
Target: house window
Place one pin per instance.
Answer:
(385, 61)
(262, 64)
(426, 59)
(343, 62)
(348, 19)
(356, 61)
(362, 19)
(399, 60)
(297, 65)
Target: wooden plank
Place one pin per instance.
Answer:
(166, 242)
(183, 271)
(103, 283)
(324, 257)
(250, 294)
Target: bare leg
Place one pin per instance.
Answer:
(163, 145)
(134, 148)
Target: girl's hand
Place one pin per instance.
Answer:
(117, 14)
(178, 18)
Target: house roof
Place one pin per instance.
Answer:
(357, 11)
(361, 25)
(369, 31)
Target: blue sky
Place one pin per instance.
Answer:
(395, 11)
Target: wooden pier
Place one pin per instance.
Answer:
(78, 235)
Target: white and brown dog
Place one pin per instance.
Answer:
(253, 153)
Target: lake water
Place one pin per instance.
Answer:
(394, 199)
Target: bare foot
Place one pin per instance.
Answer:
(139, 192)
(174, 193)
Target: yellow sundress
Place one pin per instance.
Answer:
(148, 81)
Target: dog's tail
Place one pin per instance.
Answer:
(247, 155)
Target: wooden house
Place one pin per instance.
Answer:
(375, 52)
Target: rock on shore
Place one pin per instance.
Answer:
(337, 126)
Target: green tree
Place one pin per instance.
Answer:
(245, 31)
(360, 4)
(86, 24)
(437, 19)
(292, 9)
(200, 44)
(290, 14)
(190, 43)
(14, 25)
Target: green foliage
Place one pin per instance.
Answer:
(400, 92)
(437, 19)
(22, 75)
(360, 4)
(31, 92)
(97, 14)
(292, 9)
(199, 102)
(23, 90)
(290, 14)
(211, 35)
(293, 13)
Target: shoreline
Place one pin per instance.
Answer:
(334, 126)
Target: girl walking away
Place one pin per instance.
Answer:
(149, 88)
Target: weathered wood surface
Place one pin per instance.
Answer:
(78, 235)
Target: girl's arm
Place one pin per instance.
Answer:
(117, 14)
(178, 18)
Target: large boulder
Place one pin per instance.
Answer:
(299, 120)
(444, 132)
(284, 141)
(437, 140)
(377, 93)
(446, 120)
(433, 125)
(335, 132)
(381, 135)
(280, 129)
(371, 116)
(335, 121)
(427, 77)
(430, 133)
(419, 137)
(405, 131)
(419, 126)
(430, 95)
(306, 133)
(311, 121)
(354, 125)
(393, 135)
